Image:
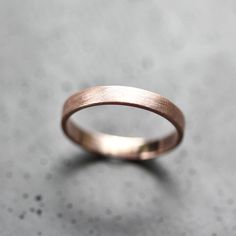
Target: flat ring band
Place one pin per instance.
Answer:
(131, 148)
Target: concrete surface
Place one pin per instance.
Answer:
(184, 50)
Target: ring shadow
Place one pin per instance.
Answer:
(153, 167)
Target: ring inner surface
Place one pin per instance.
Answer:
(120, 146)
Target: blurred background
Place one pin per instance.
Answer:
(184, 50)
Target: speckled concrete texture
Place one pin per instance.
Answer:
(184, 50)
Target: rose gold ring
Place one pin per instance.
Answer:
(131, 148)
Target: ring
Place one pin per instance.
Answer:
(130, 148)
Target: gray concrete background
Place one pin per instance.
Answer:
(184, 50)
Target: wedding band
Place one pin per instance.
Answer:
(130, 148)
